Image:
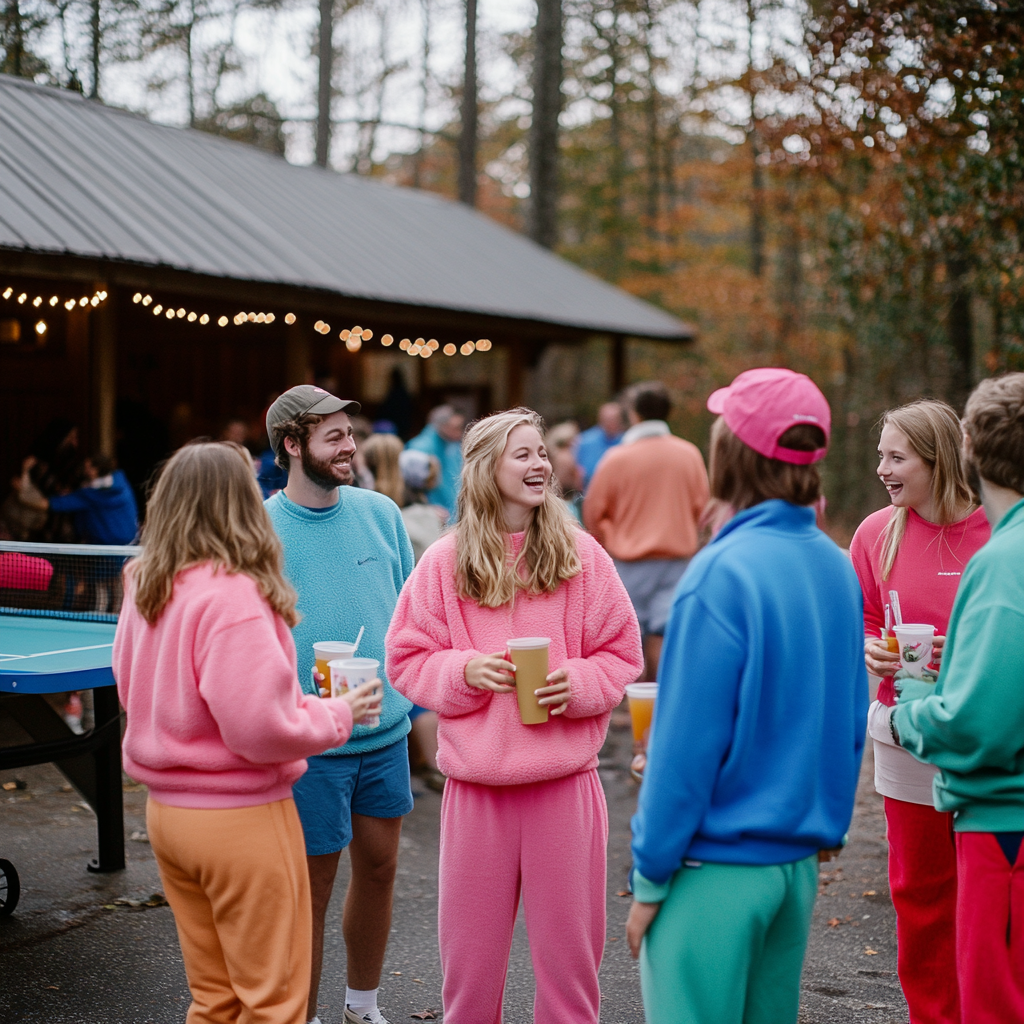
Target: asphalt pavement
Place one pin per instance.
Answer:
(102, 949)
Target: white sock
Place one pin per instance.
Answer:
(361, 1001)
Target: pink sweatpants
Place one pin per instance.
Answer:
(547, 840)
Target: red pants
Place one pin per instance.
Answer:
(923, 884)
(990, 930)
(547, 840)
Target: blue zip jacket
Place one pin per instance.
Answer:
(103, 515)
(761, 712)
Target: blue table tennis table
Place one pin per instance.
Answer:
(43, 652)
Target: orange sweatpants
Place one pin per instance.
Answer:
(237, 882)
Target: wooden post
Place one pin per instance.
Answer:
(618, 363)
(104, 370)
(516, 355)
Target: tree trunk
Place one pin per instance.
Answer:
(323, 95)
(94, 92)
(757, 172)
(547, 105)
(960, 329)
(468, 136)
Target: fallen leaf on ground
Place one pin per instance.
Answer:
(623, 892)
(397, 974)
(834, 922)
(424, 1015)
(869, 892)
(870, 952)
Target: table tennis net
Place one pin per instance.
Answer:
(66, 581)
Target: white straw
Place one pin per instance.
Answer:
(358, 638)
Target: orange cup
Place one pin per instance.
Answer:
(641, 698)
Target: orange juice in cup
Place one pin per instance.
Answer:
(641, 698)
(326, 651)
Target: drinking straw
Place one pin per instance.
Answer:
(358, 638)
(897, 614)
(888, 623)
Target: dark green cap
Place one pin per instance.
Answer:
(305, 398)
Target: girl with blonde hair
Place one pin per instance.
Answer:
(523, 809)
(917, 547)
(218, 729)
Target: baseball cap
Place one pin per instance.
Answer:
(759, 406)
(302, 399)
(415, 467)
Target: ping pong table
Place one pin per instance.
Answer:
(42, 652)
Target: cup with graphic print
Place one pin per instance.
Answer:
(353, 672)
(529, 654)
(915, 641)
(326, 651)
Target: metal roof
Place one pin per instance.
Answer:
(83, 179)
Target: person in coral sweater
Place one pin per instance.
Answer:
(917, 547)
(523, 809)
(219, 730)
(643, 504)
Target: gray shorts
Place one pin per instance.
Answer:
(651, 584)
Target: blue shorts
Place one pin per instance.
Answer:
(334, 788)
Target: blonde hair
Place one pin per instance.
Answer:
(484, 569)
(207, 507)
(381, 452)
(935, 435)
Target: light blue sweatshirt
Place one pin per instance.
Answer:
(348, 564)
(760, 717)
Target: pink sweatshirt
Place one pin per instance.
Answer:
(216, 717)
(926, 572)
(434, 634)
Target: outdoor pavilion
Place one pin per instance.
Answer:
(125, 245)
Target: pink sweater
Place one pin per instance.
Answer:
(215, 714)
(434, 634)
(926, 572)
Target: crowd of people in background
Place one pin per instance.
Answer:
(633, 560)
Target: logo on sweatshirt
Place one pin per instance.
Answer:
(948, 574)
(363, 561)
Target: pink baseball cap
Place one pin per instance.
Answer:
(759, 406)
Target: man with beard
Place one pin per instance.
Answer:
(347, 554)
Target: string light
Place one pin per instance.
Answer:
(289, 318)
(467, 348)
(54, 300)
(222, 322)
(70, 304)
(21, 298)
(450, 349)
(37, 301)
(8, 292)
(386, 340)
(41, 327)
(483, 345)
(404, 344)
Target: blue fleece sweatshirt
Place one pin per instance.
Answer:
(759, 723)
(103, 515)
(348, 564)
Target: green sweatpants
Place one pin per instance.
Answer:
(727, 946)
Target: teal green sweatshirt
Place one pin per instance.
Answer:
(348, 564)
(970, 724)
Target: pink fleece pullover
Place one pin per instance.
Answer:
(434, 634)
(216, 717)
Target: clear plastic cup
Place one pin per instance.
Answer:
(641, 698)
(529, 654)
(326, 651)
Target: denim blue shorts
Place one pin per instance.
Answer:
(334, 788)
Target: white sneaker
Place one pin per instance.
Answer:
(373, 1016)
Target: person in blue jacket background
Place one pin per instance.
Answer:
(758, 727)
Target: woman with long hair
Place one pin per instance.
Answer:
(917, 547)
(523, 809)
(218, 729)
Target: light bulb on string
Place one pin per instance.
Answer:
(37, 301)
(84, 300)
(170, 314)
(404, 344)
(345, 334)
(70, 304)
(41, 327)
(289, 318)
(414, 350)
(367, 334)
(8, 292)
(94, 301)
(426, 352)
(205, 319)
(450, 349)
(147, 299)
(157, 309)
(191, 318)
(21, 298)
(54, 300)
(467, 348)
(181, 313)
(222, 322)
(354, 343)
(386, 340)
(433, 344)
(483, 345)
(251, 317)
